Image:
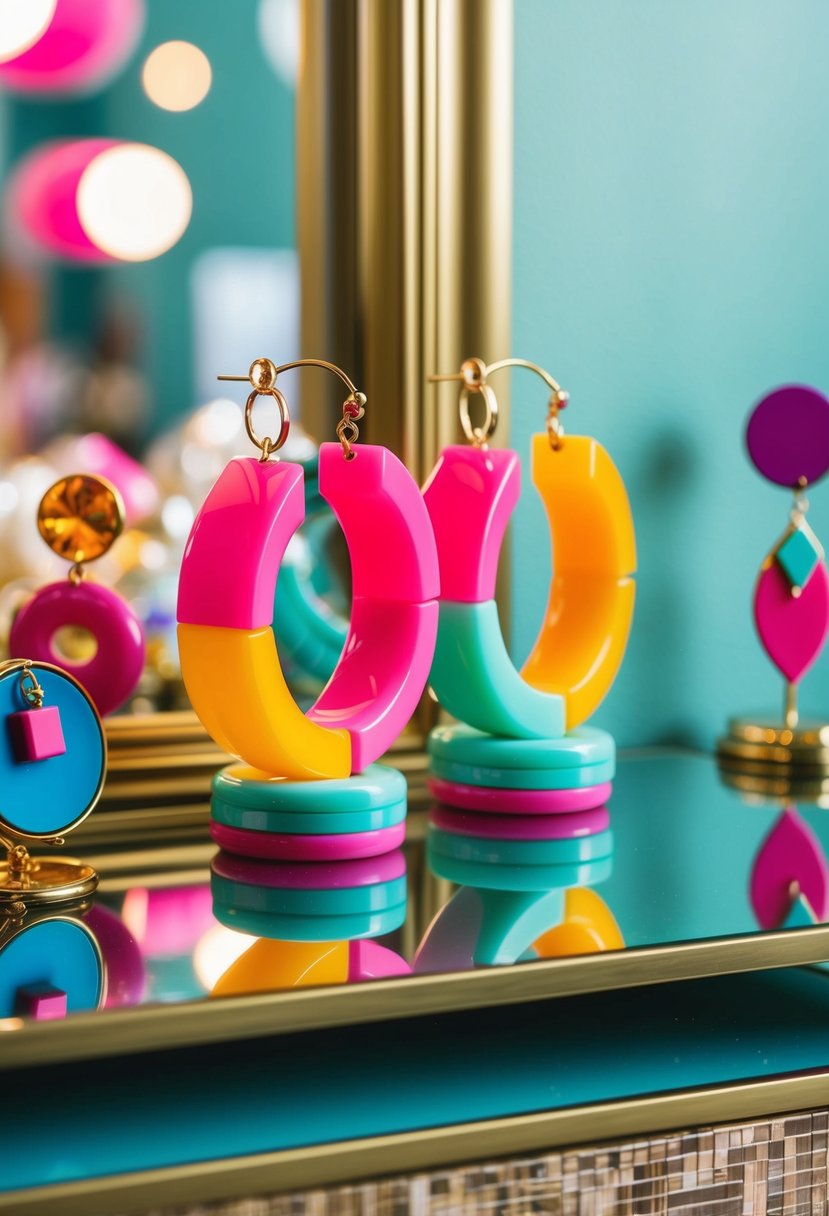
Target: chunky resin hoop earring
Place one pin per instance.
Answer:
(470, 496)
(228, 578)
(80, 517)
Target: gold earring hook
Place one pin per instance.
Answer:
(558, 396)
(262, 376)
(474, 374)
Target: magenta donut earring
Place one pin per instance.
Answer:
(79, 518)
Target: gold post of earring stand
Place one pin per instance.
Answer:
(791, 713)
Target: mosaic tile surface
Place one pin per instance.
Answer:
(769, 1168)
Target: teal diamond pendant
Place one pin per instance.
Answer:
(798, 556)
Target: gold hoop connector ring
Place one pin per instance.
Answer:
(268, 446)
(30, 689)
(479, 435)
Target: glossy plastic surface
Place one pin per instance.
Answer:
(590, 608)
(297, 914)
(309, 634)
(470, 496)
(380, 677)
(58, 952)
(588, 927)
(300, 927)
(310, 902)
(283, 847)
(497, 801)
(36, 734)
(235, 683)
(789, 863)
(311, 876)
(377, 787)
(494, 875)
(477, 682)
(48, 797)
(370, 961)
(112, 674)
(305, 822)
(270, 965)
(237, 542)
(486, 928)
(229, 660)
(535, 779)
(580, 749)
(521, 827)
(385, 521)
(509, 851)
(793, 629)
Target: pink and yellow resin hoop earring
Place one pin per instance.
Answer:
(228, 578)
(470, 496)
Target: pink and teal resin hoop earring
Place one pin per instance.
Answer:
(470, 496)
(226, 593)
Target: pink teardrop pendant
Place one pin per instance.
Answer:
(791, 854)
(793, 629)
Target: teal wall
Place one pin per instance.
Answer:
(671, 264)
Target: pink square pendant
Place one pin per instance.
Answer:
(36, 734)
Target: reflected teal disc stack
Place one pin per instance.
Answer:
(316, 902)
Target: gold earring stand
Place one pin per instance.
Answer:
(33, 882)
(786, 760)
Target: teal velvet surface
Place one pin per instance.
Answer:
(670, 266)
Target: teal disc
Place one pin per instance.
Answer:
(519, 877)
(302, 902)
(305, 823)
(521, 852)
(278, 926)
(379, 786)
(522, 779)
(461, 744)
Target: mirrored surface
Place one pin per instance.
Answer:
(675, 858)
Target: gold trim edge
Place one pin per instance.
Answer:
(326, 1165)
(161, 1027)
